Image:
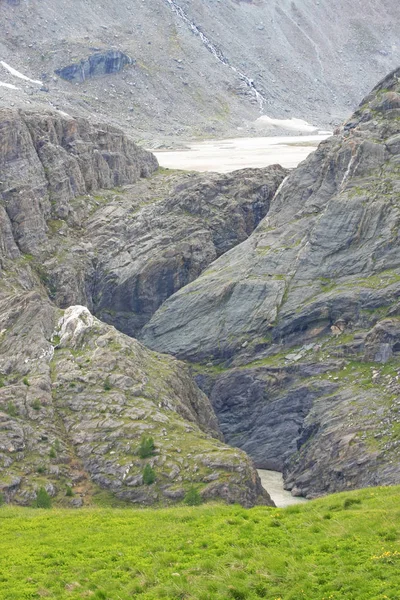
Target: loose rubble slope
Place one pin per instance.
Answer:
(181, 68)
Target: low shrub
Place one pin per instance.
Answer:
(192, 497)
(149, 475)
(146, 447)
(43, 499)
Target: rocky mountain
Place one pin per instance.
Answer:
(195, 68)
(124, 252)
(83, 216)
(294, 334)
(280, 289)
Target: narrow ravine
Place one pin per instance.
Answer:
(217, 53)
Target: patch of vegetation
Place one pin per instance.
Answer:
(146, 447)
(149, 475)
(348, 502)
(12, 409)
(55, 225)
(25, 381)
(55, 340)
(192, 497)
(69, 492)
(36, 404)
(107, 385)
(208, 552)
(43, 499)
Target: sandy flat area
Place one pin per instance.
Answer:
(228, 155)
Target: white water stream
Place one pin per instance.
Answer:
(272, 482)
(217, 53)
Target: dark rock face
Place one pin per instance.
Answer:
(97, 65)
(323, 266)
(247, 406)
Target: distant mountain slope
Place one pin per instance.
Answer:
(199, 67)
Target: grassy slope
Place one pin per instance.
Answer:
(344, 546)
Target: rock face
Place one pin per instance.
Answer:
(47, 160)
(120, 252)
(139, 244)
(76, 396)
(124, 251)
(96, 65)
(76, 399)
(294, 319)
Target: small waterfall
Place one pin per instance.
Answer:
(216, 52)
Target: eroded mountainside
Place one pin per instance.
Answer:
(296, 331)
(196, 67)
(293, 333)
(77, 396)
(123, 250)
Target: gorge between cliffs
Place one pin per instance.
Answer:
(241, 320)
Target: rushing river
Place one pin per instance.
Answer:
(272, 481)
(224, 156)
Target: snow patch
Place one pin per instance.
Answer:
(18, 74)
(10, 86)
(290, 124)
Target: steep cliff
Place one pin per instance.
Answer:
(48, 159)
(76, 396)
(123, 251)
(295, 323)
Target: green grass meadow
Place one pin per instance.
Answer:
(343, 546)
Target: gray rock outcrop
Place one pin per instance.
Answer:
(97, 65)
(141, 243)
(77, 396)
(290, 322)
(47, 160)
